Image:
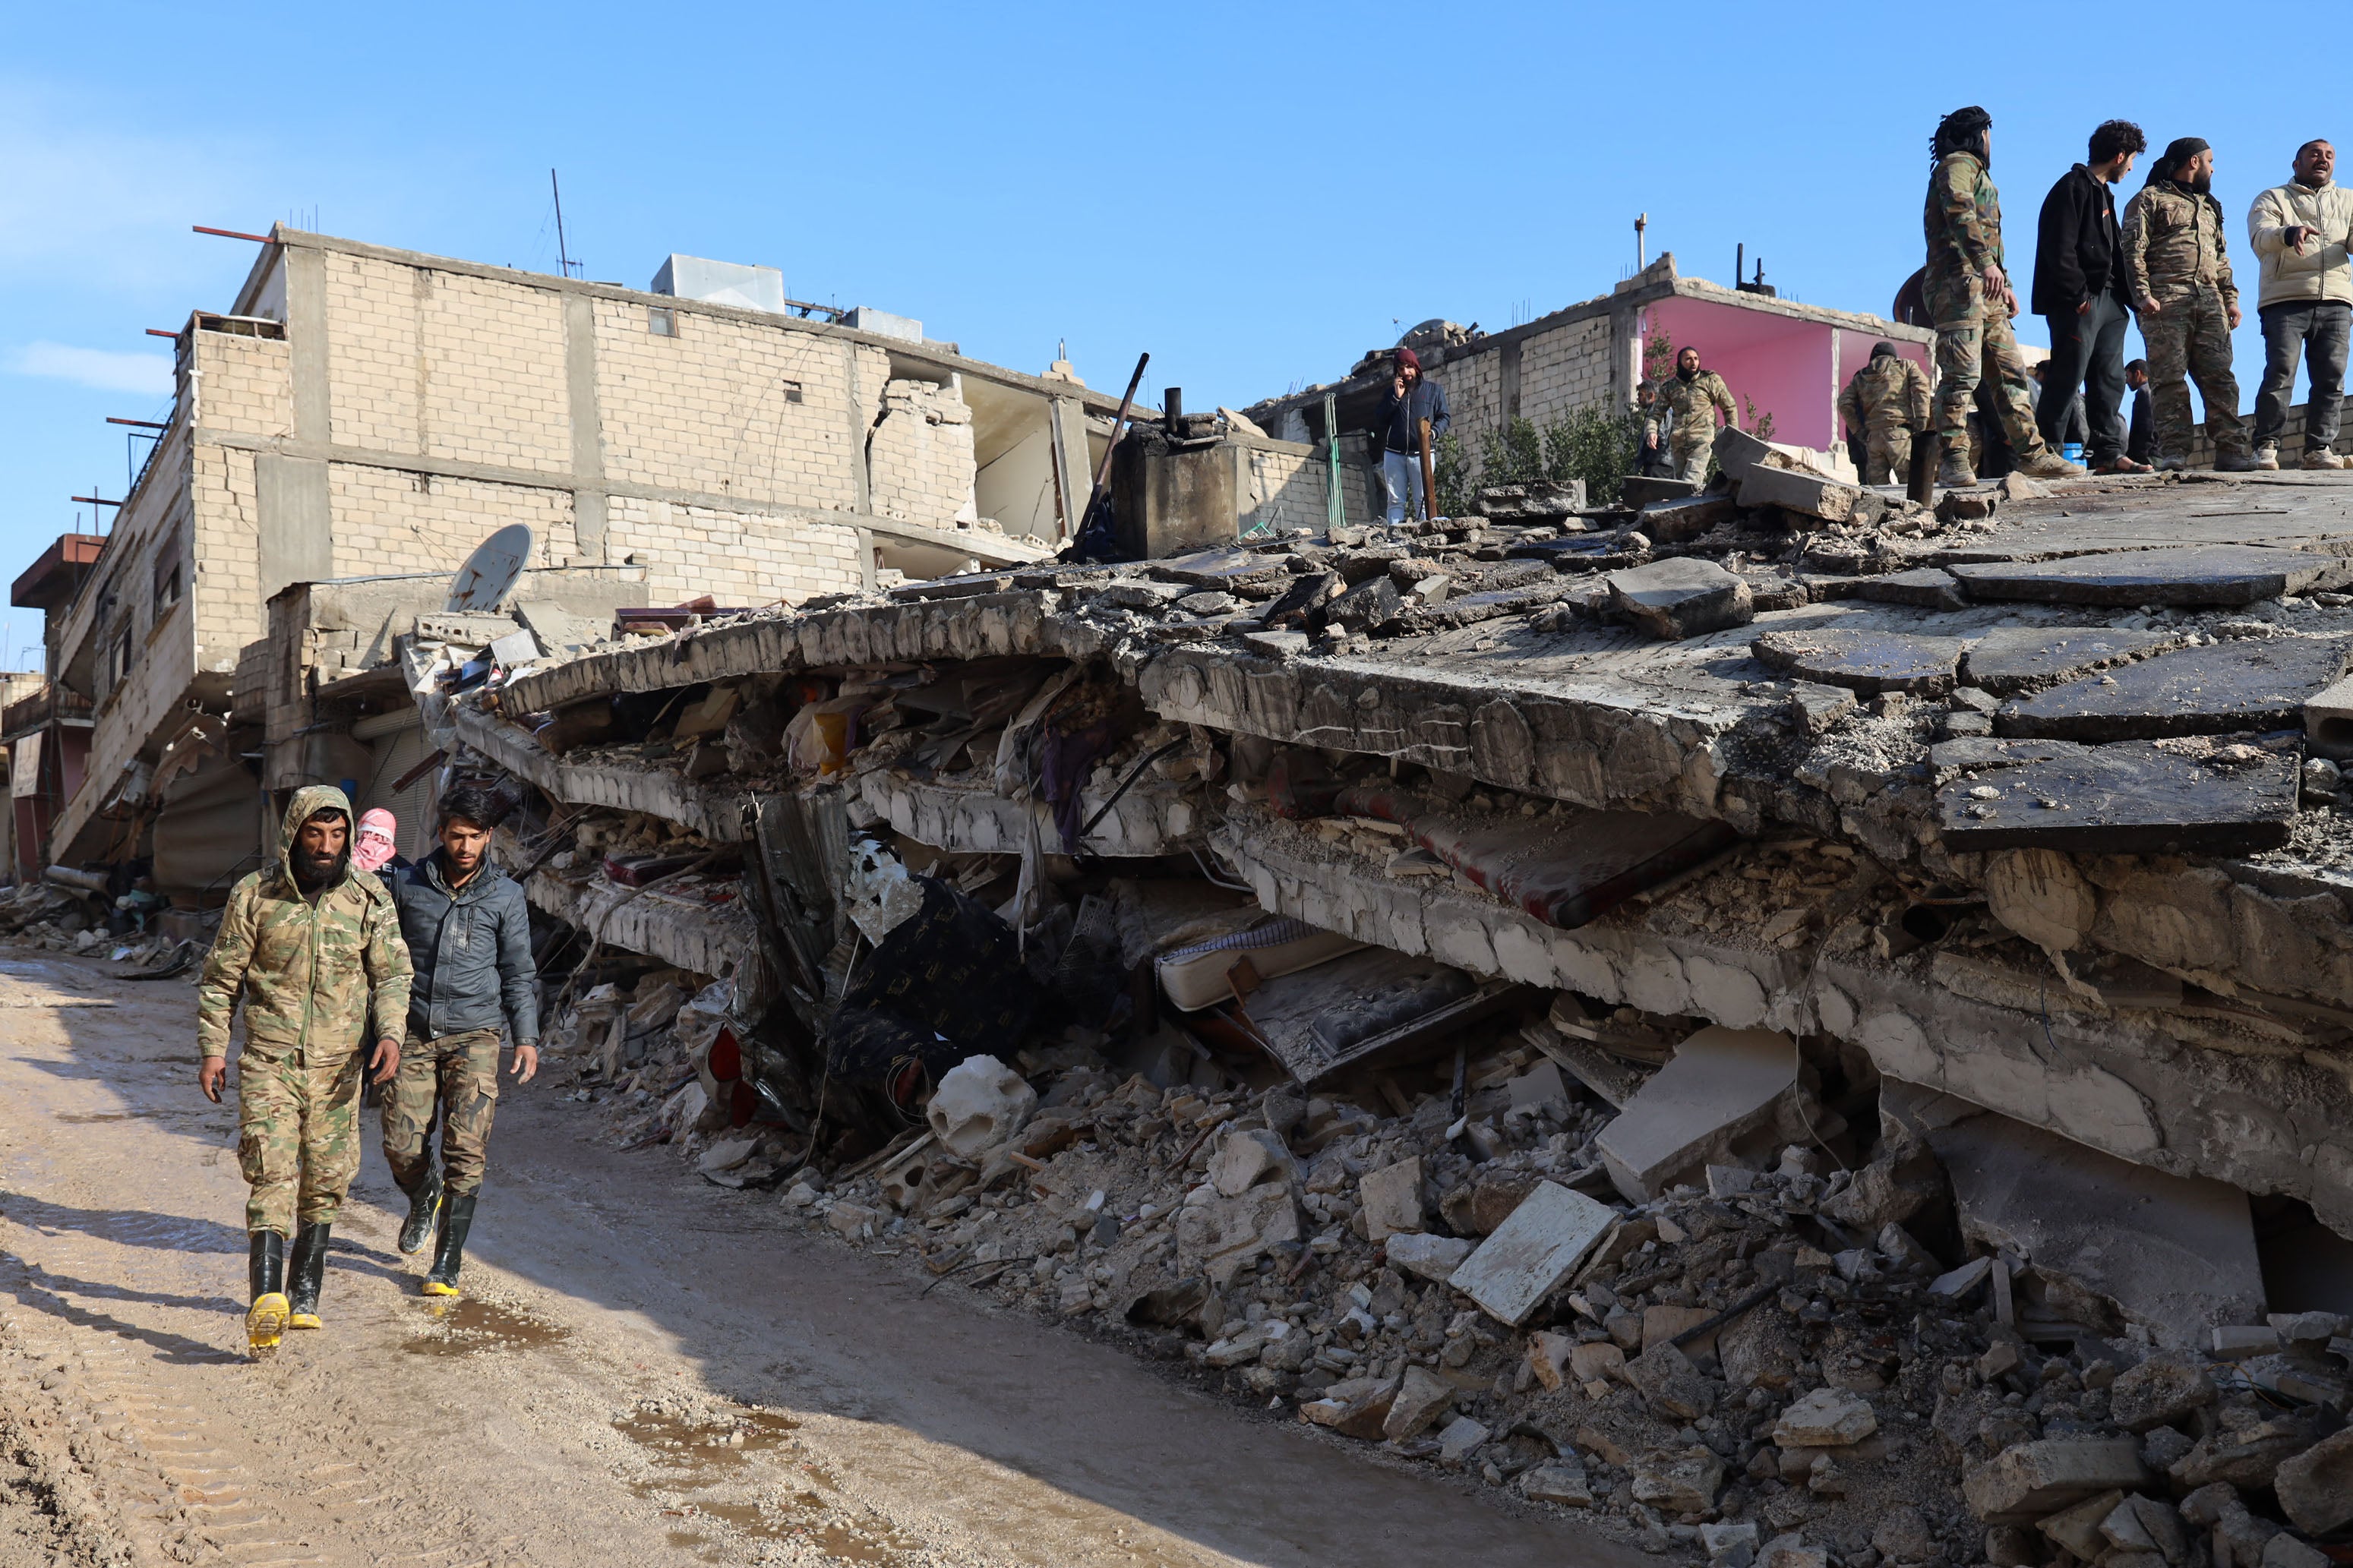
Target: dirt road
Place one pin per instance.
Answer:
(645, 1370)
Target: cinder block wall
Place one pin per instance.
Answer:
(919, 457)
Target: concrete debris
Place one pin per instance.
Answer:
(979, 1105)
(1866, 661)
(2033, 1479)
(2148, 797)
(1684, 597)
(2257, 684)
(1532, 1251)
(2009, 660)
(1719, 1084)
(2194, 575)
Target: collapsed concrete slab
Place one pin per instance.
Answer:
(1865, 660)
(2133, 797)
(2173, 1254)
(2009, 661)
(720, 939)
(1153, 817)
(2255, 683)
(661, 790)
(2196, 574)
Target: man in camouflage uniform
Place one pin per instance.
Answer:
(1693, 396)
(311, 944)
(469, 931)
(2180, 283)
(1887, 400)
(1970, 302)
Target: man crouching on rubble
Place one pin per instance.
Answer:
(311, 944)
(469, 932)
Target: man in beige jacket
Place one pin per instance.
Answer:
(2299, 232)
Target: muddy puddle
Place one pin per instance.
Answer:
(762, 1502)
(470, 1326)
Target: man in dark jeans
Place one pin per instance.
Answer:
(2302, 233)
(2079, 289)
(469, 935)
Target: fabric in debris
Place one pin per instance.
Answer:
(946, 983)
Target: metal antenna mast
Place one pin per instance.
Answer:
(564, 262)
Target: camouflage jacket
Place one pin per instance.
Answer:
(2173, 241)
(1692, 402)
(1888, 394)
(1964, 228)
(321, 975)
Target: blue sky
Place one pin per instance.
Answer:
(1255, 194)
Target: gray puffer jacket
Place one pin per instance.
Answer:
(471, 953)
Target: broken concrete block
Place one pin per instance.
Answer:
(1757, 1349)
(2316, 1487)
(1276, 645)
(1680, 1482)
(1719, 1084)
(1539, 1087)
(1818, 708)
(2041, 895)
(2160, 1391)
(1637, 491)
(1600, 1362)
(2250, 1458)
(1300, 604)
(1863, 660)
(1421, 1398)
(2140, 1523)
(979, 1104)
(1795, 491)
(1392, 1199)
(1729, 1545)
(1551, 1355)
(1370, 604)
(1562, 1484)
(1961, 1280)
(2078, 1527)
(1929, 587)
(1458, 1440)
(725, 1154)
(2328, 720)
(1665, 1376)
(1826, 1418)
(2188, 575)
(1430, 1257)
(2009, 660)
(2030, 1480)
(1244, 1160)
(1675, 521)
(2239, 1342)
(1216, 1236)
(1901, 1536)
(1532, 1251)
(2285, 1551)
(2175, 1254)
(1681, 598)
(1354, 1408)
(2255, 683)
(854, 1220)
(2131, 798)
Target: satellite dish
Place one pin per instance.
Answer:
(489, 576)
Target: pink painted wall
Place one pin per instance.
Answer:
(1781, 365)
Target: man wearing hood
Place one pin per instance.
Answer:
(2179, 276)
(2301, 232)
(1689, 400)
(469, 933)
(1886, 401)
(1970, 302)
(312, 944)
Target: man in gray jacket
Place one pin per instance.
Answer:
(2300, 231)
(469, 933)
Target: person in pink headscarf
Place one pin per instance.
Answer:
(376, 848)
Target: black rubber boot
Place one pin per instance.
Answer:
(303, 1275)
(265, 1320)
(457, 1218)
(422, 1206)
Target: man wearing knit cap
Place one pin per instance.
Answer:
(1694, 397)
(2179, 276)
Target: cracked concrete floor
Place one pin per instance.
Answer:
(644, 1369)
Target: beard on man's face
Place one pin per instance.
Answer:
(312, 868)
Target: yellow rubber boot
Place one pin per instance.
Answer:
(265, 1320)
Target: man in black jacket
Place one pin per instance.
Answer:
(2079, 289)
(469, 933)
(1411, 399)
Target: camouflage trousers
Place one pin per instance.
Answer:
(460, 1073)
(298, 1138)
(1885, 452)
(1690, 460)
(1980, 347)
(2191, 338)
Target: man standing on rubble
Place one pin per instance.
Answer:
(2181, 280)
(1970, 303)
(312, 944)
(1886, 400)
(2302, 233)
(469, 933)
(1410, 400)
(1693, 396)
(2079, 291)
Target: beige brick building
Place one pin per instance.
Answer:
(360, 411)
